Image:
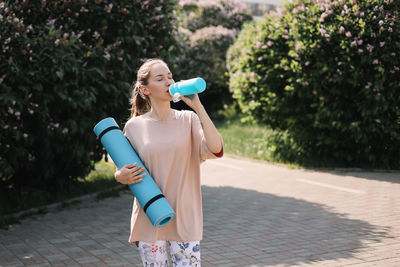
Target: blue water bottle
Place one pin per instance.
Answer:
(187, 87)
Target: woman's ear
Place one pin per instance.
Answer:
(144, 90)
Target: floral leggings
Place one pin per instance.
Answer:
(181, 253)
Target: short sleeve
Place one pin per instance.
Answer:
(200, 141)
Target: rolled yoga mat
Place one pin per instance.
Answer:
(153, 202)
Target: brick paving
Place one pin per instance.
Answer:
(255, 214)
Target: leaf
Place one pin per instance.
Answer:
(60, 74)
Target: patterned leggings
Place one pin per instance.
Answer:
(181, 253)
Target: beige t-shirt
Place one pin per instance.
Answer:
(172, 151)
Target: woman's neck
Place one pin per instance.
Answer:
(160, 111)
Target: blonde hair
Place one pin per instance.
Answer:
(139, 101)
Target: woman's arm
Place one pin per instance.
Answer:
(213, 138)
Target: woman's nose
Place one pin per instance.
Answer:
(170, 81)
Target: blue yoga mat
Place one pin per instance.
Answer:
(122, 153)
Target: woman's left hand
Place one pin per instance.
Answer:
(193, 101)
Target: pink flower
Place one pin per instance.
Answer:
(307, 63)
(96, 35)
(380, 22)
(252, 74)
(360, 51)
(50, 22)
(270, 43)
(370, 48)
(25, 135)
(348, 34)
(297, 47)
(257, 45)
(375, 62)
(264, 47)
(373, 35)
(381, 44)
(341, 29)
(390, 29)
(107, 56)
(360, 42)
(260, 58)
(65, 131)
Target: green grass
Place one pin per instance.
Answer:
(253, 141)
(101, 178)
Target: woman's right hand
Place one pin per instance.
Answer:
(130, 174)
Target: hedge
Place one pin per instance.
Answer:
(327, 72)
(64, 66)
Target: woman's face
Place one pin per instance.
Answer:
(159, 82)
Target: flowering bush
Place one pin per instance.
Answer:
(328, 73)
(199, 14)
(207, 29)
(64, 65)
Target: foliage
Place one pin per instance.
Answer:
(207, 29)
(21, 199)
(259, 142)
(328, 73)
(200, 14)
(64, 65)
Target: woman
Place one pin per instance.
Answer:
(171, 144)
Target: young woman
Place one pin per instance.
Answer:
(171, 144)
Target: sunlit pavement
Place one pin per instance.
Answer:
(255, 214)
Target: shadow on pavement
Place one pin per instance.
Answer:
(247, 227)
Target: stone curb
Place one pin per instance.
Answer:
(58, 205)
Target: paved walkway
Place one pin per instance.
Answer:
(255, 214)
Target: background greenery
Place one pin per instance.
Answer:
(314, 84)
(327, 74)
(65, 65)
(206, 29)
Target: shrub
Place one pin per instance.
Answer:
(64, 66)
(328, 73)
(200, 14)
(207, 29)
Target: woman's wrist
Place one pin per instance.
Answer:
(199, 109)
